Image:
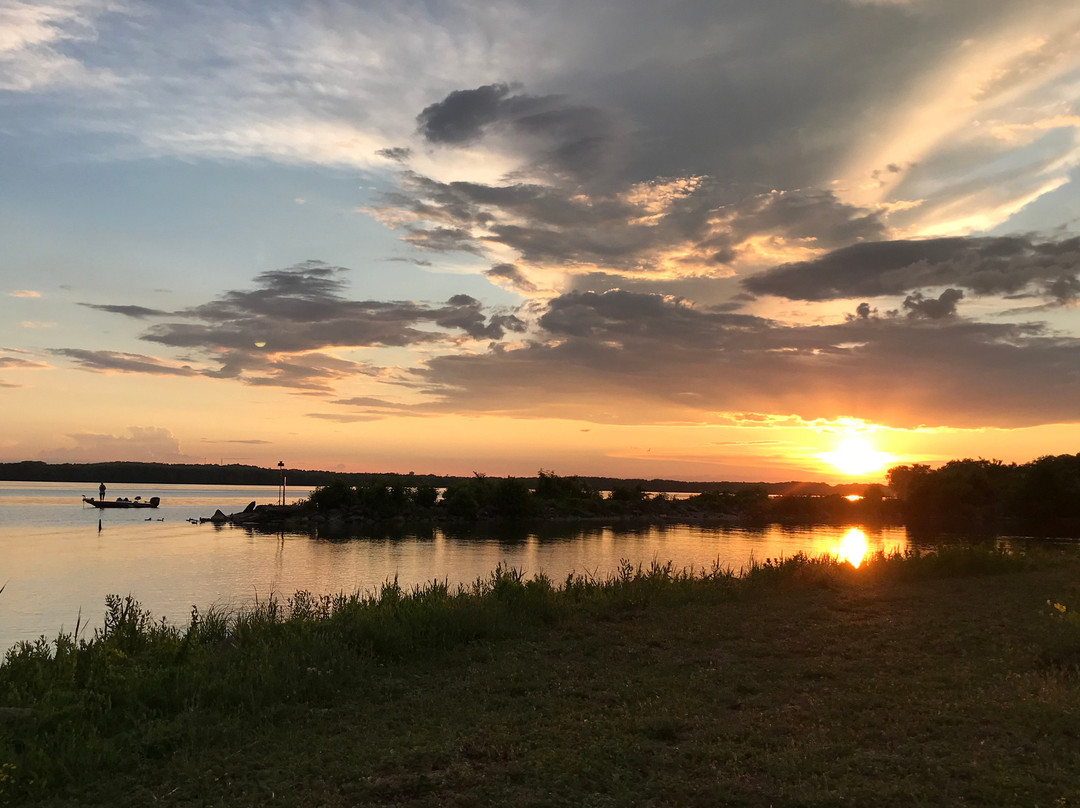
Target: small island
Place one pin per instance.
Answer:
(972, 496)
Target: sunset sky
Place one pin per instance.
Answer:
(699, 240)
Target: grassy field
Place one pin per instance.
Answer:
(932, 680)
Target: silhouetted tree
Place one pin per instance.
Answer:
(550, 486)
(628, 494)
(903, 480)
(1049, 488)
(334, 496)
(425, 496)
(511, 499)
(960, 495)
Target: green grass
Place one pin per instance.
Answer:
(931, 679)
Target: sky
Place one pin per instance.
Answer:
(740, 240)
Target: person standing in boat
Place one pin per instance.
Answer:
(101, 492)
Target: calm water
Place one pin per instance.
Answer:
(59, 556)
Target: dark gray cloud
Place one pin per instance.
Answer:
(123, 362)
(442, 239)
(717, 293)
(933, 308)
(136, 312)
(312, 372)
(814, 216)
(367, 408)
(512, 276)
(619, 315)
(677, 228)
(1065, 289)
(1006, 265)
(466, 314)
(396, 153)
(463, 114)
(302, 309)
(575, 142)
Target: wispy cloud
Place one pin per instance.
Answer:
(136, 312)
(117, 361)
(20, 362)
(35, 38)
(250, 442)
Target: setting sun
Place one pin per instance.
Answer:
(855, 455)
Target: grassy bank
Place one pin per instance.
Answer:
(926, 679)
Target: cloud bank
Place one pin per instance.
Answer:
(141, 444)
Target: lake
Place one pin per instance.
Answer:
(60, 557)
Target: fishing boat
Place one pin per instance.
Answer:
(123, 502)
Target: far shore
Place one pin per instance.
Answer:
(302, 480)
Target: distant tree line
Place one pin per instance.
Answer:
(236, 474)
(550, 496)
(180, 474)
(973, 495)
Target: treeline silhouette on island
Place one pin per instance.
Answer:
(962, 495)
(550, 496)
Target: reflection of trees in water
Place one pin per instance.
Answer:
(502, 532)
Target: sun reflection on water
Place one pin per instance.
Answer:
(853, 547)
